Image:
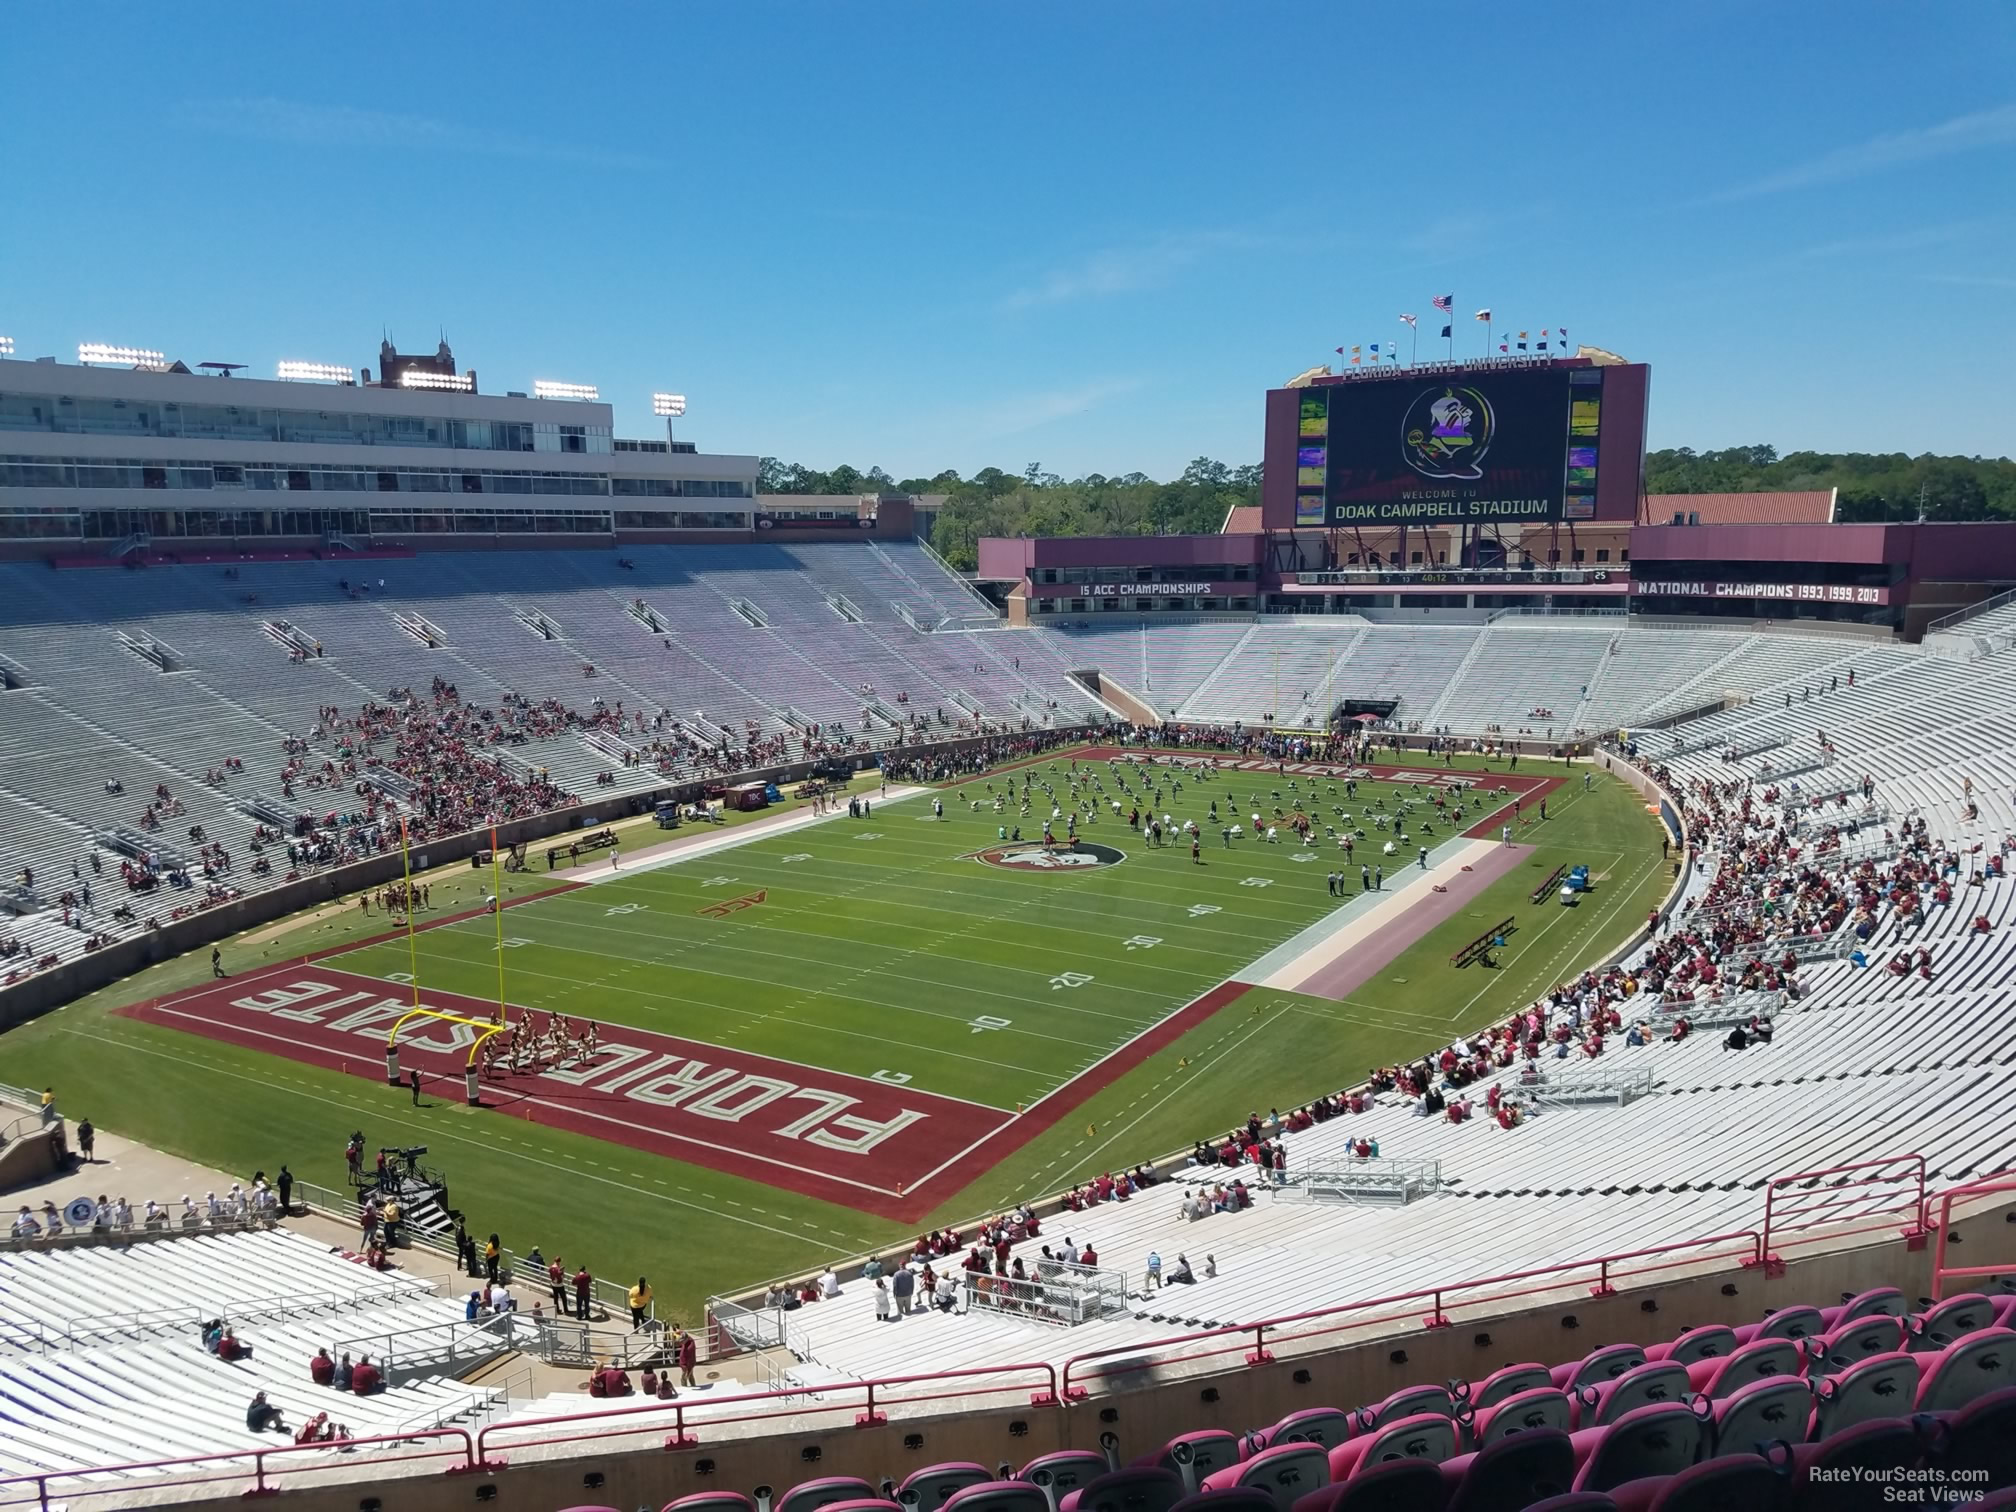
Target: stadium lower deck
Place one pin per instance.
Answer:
(1847, 828)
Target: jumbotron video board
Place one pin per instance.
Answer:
(1465, 444)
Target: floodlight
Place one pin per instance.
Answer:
(671, 406)
(98, 351)
(6, 346)
(314, 372)
(417, 378)
(547, 389)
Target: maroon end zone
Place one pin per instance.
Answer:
(889, 1150)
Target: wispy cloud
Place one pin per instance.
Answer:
(1129, 269)
(1966, 133)
(272, 119)
(1971, 280)
(1916, 239)
(1011, 415)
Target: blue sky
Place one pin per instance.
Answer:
(1088, 235)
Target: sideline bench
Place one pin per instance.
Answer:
(1546, 889)
(1476, 949)
(602, 839)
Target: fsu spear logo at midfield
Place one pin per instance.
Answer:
(1447, 431)
(1084, 855)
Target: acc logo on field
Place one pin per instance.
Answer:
(1447, 431)
(1031, 856)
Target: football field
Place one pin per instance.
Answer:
(904, 1017)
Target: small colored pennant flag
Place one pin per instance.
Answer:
(1445, 331)
(1502, 347)
(1409, 319)
(1374, 349)
(1484, 315)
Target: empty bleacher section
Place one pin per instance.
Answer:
(102, 1359)
(606, 675)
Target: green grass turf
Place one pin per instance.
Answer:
(867, 955)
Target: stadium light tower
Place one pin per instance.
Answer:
(89, 352)
(671, 407)
(6, 346)
(545, 388)
(414, 378)
(314, 372)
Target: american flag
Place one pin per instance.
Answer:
(1444, 301)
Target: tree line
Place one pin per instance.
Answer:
(1036, 502)
(1874, 486)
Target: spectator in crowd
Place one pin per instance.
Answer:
(262, 1416)
(366, 1378)
(686, 1350)
(322, 1369)
(640, 1303)
(87, 1138)
(344, 1373)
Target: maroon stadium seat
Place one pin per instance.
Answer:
(1513, 1472)
(1285, 1473)
(1641, 1386)
(1761, 1413)
(1599, 1365)
(1878, 1299)
(1662, 1439)
(1505, 1382)
(1135, 1490)
(999, 1496)
(1396, 1486)
(929, 1489)
(1952, 1319)
(1756, 1361)
(1976, 1364)
(1980, 1440)
(1542, 1407)
(1424, 1436)
(1711, 1341)
(1875, 1386)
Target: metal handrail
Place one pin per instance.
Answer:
(1947, 621)
(1135, 1356)
(790, 1400)
(259, 1457)
(1835, 1195)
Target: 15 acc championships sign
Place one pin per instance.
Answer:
(1140, 590)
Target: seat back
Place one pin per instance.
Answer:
(1236, 1499)
(1509, 1381)
(1662, 1439)
(1734, 1483)
(1968, 1369)
(1425, 1436)
(1134, 1490)
(1598, 1366)
(998, 1496)
(1832, 1476)
(1711, 1341)
(1761, 1413)
(1654, 1381)
(712, 1501)
(929, 1489)
(1395, 1486)
(1063, 1472)
(1953, 1319)
(1409, 1401)
(1870, 1334)
(1193, 1456)
(1868, 1304)
(1542, 1407)
(1514, 1472)
(1286, 1472)
(1312, 1425)
(1876, 1386)
(865, 1504)
(1980, 1445)
(827, 1491)
(1756, 1361)
(1797, 1322)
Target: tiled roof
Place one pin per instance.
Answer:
(1241, 519)
(1810, 508)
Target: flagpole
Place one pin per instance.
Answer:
(1414, 352)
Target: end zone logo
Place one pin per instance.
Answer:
(1031, 856)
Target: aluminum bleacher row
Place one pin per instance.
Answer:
(102, 1360)
(1724, 1418)
(1593, 675)
(153, 678)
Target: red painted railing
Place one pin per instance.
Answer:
(865, 1399)
(230, 1466)
(1864, 1196)
(1985, 1187)
(1744, 1246)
